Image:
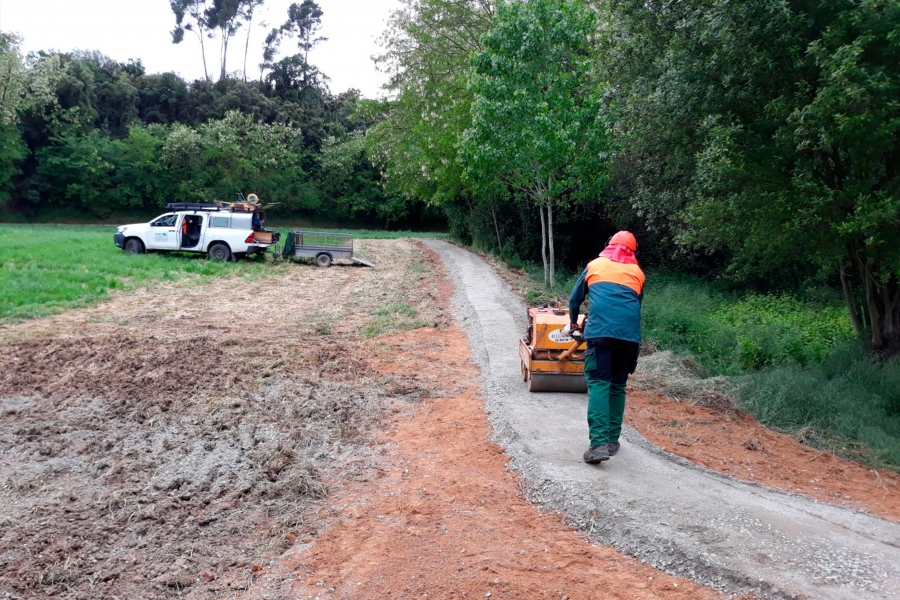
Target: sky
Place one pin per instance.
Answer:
(126, 29)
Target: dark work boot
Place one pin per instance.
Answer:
(613, 447)
(596, 454)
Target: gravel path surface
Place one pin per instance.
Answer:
(678, 517)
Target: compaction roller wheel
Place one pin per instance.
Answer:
(574, 384)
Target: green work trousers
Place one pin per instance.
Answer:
(607, 364)
(606, 406)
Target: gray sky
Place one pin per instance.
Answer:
(124, 29)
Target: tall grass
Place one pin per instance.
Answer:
(732, 334)
(793, 364)
(849, 404)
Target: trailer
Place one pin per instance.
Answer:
(322, 246)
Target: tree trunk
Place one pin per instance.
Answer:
(544, 244)
(203, 52)
(550, 243)
(247, 45)
(852, 304)
(882, 301)
(496, 229)
(224, 54)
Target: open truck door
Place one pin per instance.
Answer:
(165, 233)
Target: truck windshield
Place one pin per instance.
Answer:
(164, 221)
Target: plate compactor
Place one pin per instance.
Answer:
(552, 360)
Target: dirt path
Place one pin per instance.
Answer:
(734, 443)
(682, 518)
(445, 519)
(684, 415)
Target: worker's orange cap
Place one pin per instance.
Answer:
(626, 238)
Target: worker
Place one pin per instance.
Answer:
(614, 283)
(185, 239)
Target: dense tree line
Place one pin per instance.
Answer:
(755, 141)
(84, 135)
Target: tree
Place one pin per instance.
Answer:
(304, 21)
(25, 84)
(773, 132)
(413, 141)
(350, 183)
(225, 16)
(537, 125)
(191, 15)
(248, 8)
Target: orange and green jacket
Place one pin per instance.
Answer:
(616, 291)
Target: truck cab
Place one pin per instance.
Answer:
(223, 232)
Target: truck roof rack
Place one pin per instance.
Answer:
(216, 206)
(191, 206)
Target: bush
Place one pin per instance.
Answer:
(732, 335)
(778, 330)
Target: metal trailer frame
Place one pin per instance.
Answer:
(325, 247)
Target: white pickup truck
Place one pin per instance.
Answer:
(223, 233)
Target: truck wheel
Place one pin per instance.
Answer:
(134, 246)
(219, 251)
(323, 260)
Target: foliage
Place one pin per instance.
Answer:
(98, 137)
(414, 143)
(731, 334)
(236, 153)
(768, 131)
(774, 330)
(537, 126)
(351, 183)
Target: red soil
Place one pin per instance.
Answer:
(733, 442)
(447, 519)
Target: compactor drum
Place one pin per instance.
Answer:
(552, 360)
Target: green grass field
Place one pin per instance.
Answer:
(48, 268)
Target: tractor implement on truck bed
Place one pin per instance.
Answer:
(552, 360)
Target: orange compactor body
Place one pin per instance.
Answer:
(552, 360)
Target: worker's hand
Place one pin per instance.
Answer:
(570, 327)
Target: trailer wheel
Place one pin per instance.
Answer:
(134, 246)
(219, 251)
(323, 260)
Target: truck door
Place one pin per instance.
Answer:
(165, 233)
